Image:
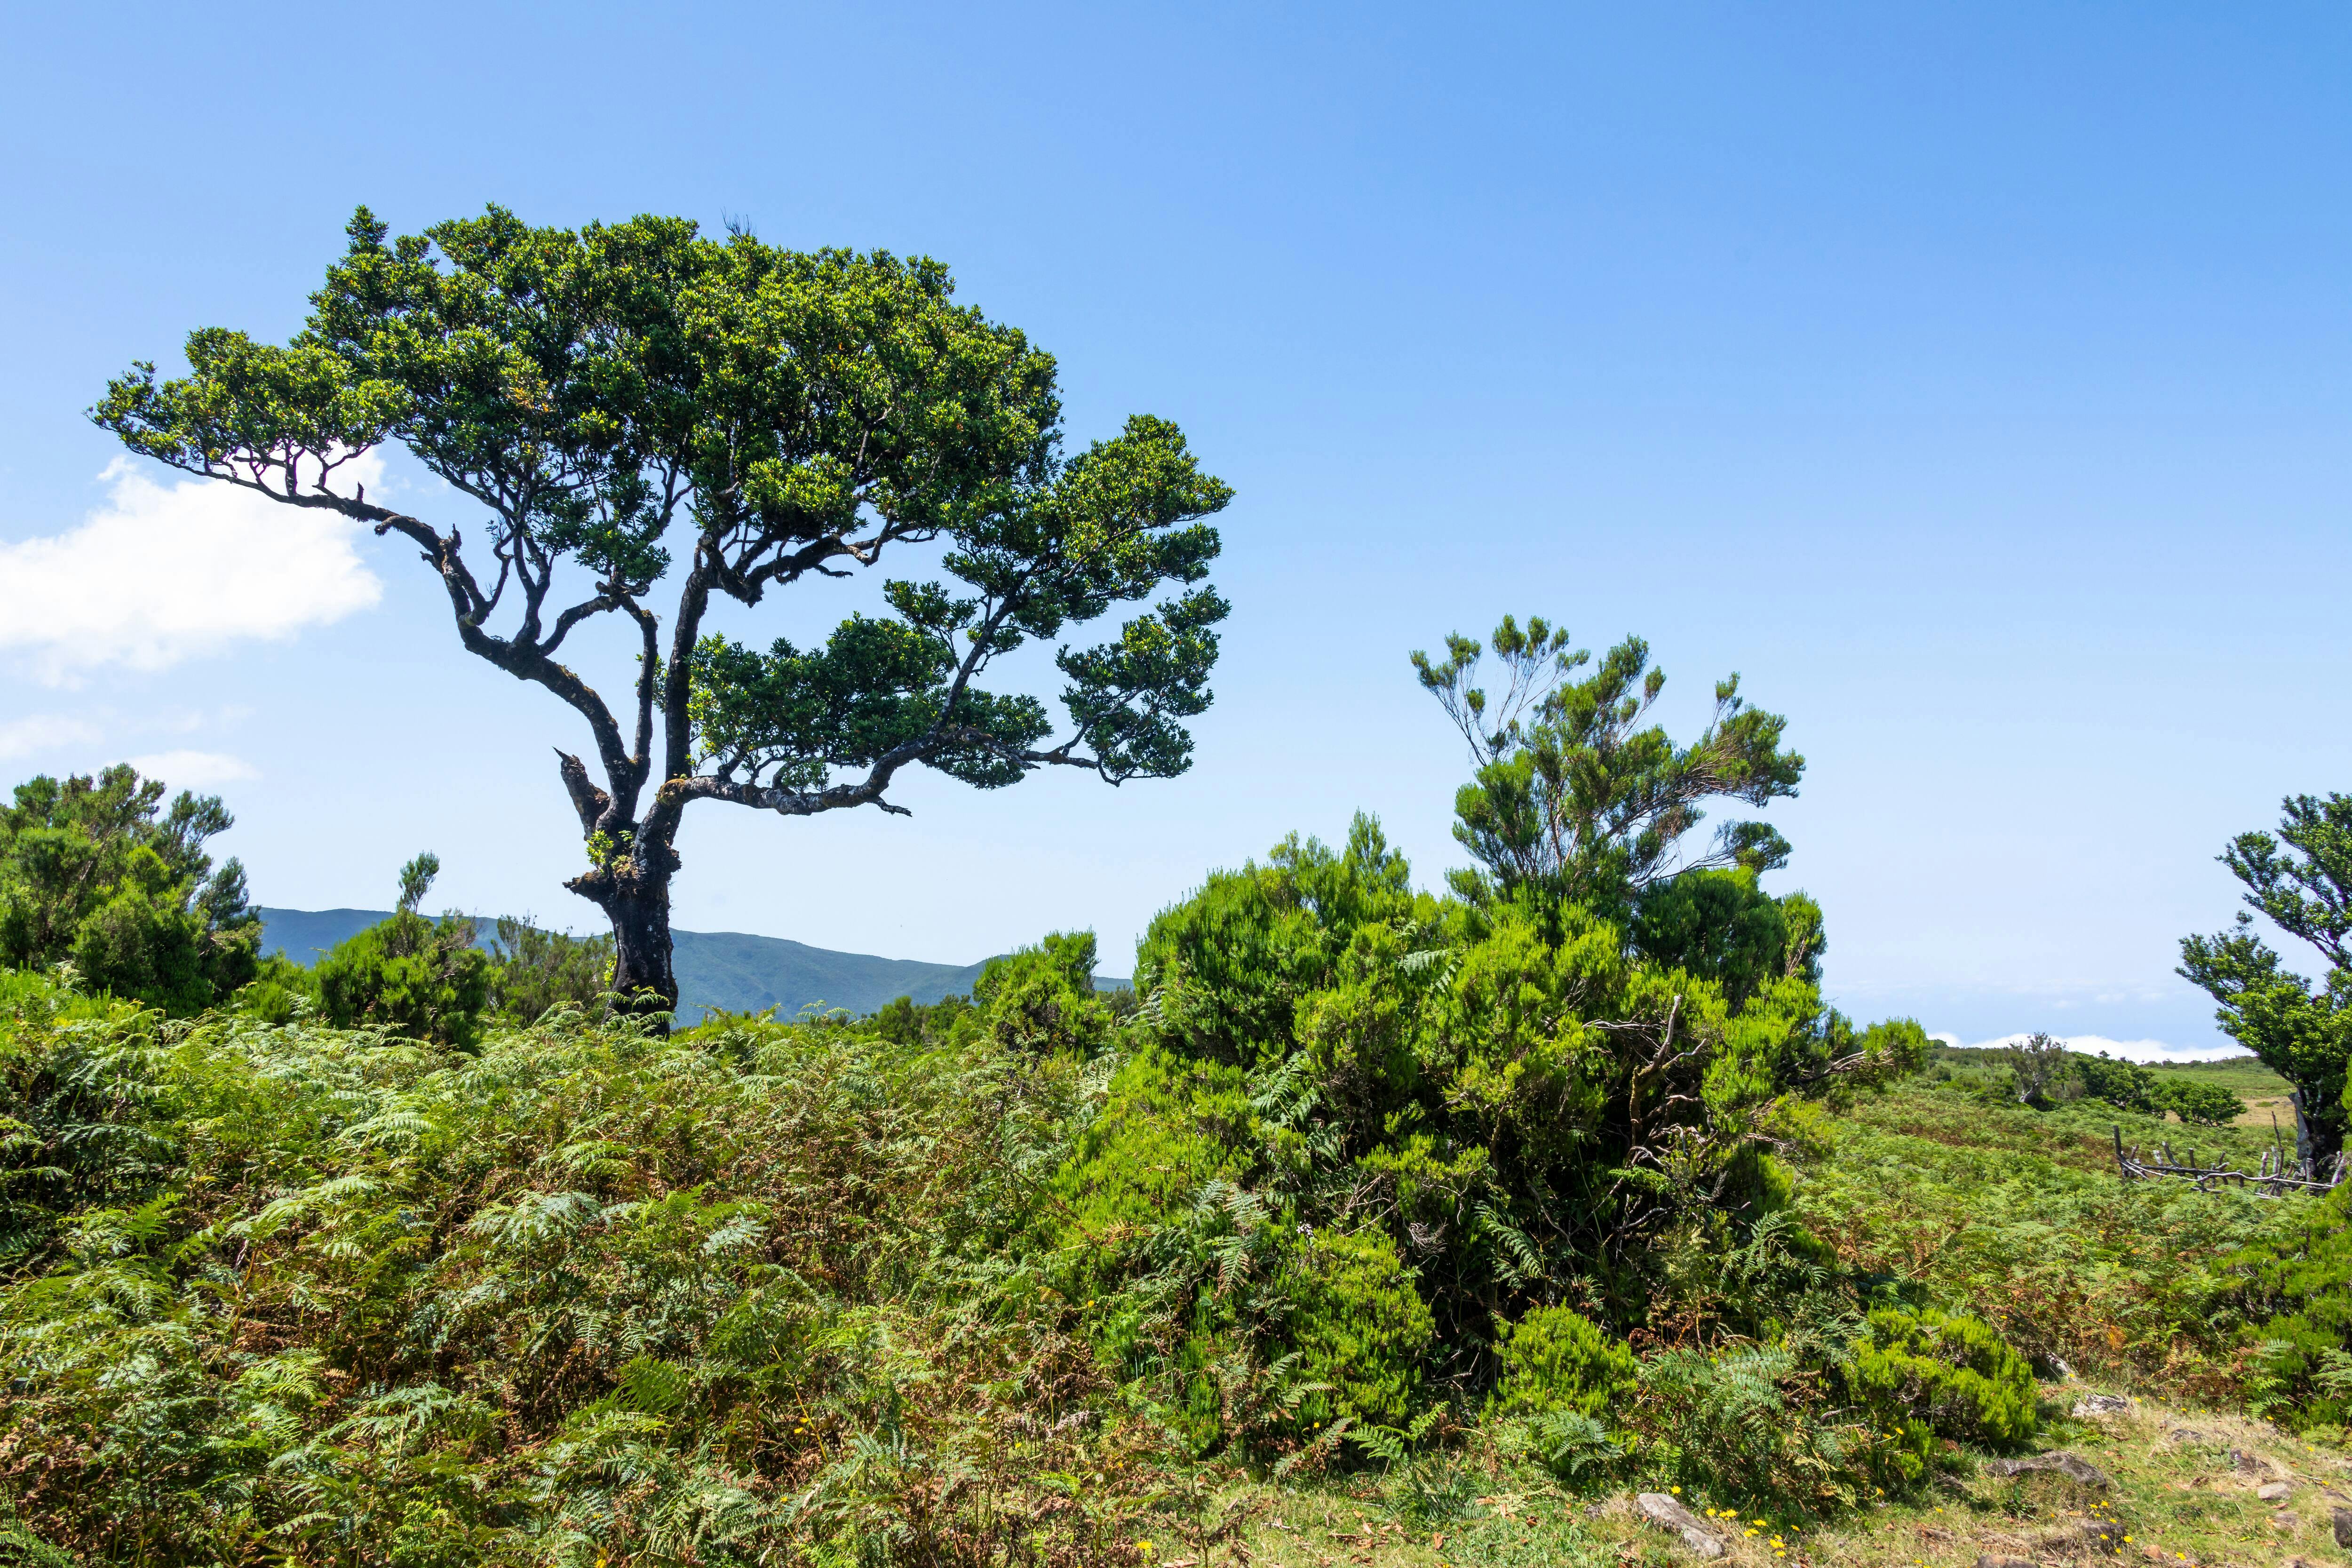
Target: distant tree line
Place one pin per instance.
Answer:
(2042, 1072)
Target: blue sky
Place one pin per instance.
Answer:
(1973, 379)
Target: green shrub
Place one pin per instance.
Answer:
(538, 969)
(1743, 1422)
(98, 870)
(1489, 1070)
(2125, 1085)
(901, 1021)
(2297, 1291)
(1359, 1325)
(1719, 925)
(2200, 1104)
(1043, 998)
(1555, 1358)
(1955, 1373)
(422, 979)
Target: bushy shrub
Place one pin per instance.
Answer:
(904, 1021)
(99, 871)
(1744, 1423)
(1359, 1325)
(2295, 1288)
(419, 978)
(1720, 925)
(1555, 1359)
(1954, 1373)
(2200, 1104)
(425, 980)
(1488, 1066)
(1043, 998)
(537, 969)
(2042, 1071)
(2125, 1085)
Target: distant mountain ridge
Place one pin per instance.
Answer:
(725, 971)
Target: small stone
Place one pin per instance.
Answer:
(2342, 1517)
(2189, 1436)
(2274, 1491)
(2069, 1464)
(1668, 1514)
(2099, 1407)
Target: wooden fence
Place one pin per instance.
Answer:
(2278, 1175)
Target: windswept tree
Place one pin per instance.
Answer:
(2042, 1071)
(2302, 880)
(639, 408)
(1573, 793)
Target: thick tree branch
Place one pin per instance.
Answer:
(869, 790)
(589, 802)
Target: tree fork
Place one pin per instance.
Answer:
(634, 897)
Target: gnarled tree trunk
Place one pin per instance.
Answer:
(634, 897)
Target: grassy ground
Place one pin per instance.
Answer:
(2019, 1216)
(2176, 1496)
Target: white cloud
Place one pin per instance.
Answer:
(163, 573)
(193, 769)
(2129, 1050)
(44, 732)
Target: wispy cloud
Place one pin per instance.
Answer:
(194, 770)
(44, 732)
(164, 573)
(2099, 1044)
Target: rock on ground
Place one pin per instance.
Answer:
(2098, 1405)
(2064, 1464)
(1668, 1514)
